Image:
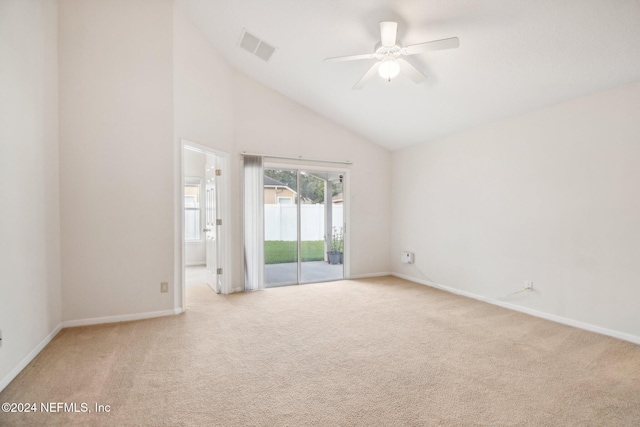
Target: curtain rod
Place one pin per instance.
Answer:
(342, 162)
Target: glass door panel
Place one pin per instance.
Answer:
(280, 227)
(321, 227)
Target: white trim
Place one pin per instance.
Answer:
(195, 263)
(29, 357)
(290, 199)
(346, 220)
(275, 187)
(204, 149)
(554, 318)
(368, 275)
(120, 318)
(178, 226)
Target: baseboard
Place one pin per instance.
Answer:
(121, 318)
(541, 314)
(29, 357)
(368, 275)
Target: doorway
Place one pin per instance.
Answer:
(204, 211)
(304, 225)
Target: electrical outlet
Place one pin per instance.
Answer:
(529, 285)
(406, 257)
(164, 287)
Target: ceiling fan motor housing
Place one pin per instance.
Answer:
(382, 52)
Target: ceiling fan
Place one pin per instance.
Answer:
(389, 54)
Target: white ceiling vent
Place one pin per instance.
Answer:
(255, 46)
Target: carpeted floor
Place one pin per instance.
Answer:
(376, 352)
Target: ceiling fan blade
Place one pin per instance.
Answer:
(368, 75)
(412, 72)
(350, 57)
(388, 31)
(450, 43)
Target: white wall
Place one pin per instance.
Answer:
(219, 107)
(30, 294)
(203, 106)
(550, 196)
(117, 156)
(195, 253)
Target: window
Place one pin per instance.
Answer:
(192, 188)
(285, 200)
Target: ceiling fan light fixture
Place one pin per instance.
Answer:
(389, 54)
(389, 69)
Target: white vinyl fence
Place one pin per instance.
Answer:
(280, 221)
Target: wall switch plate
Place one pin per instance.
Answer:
(164, 287)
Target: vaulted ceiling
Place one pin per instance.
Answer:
(514, 56)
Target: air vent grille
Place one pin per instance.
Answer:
(249, 42)
(255, 46)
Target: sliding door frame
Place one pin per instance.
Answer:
(309, 166)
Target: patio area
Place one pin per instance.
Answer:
(312, 271)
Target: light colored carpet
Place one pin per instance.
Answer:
(377, 352)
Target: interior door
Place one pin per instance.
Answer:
(211, 229)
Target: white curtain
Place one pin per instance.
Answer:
(253, 223)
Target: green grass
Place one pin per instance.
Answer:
(278, 251)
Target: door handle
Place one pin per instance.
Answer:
(206, 230)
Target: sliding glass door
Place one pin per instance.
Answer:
(303, 226)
